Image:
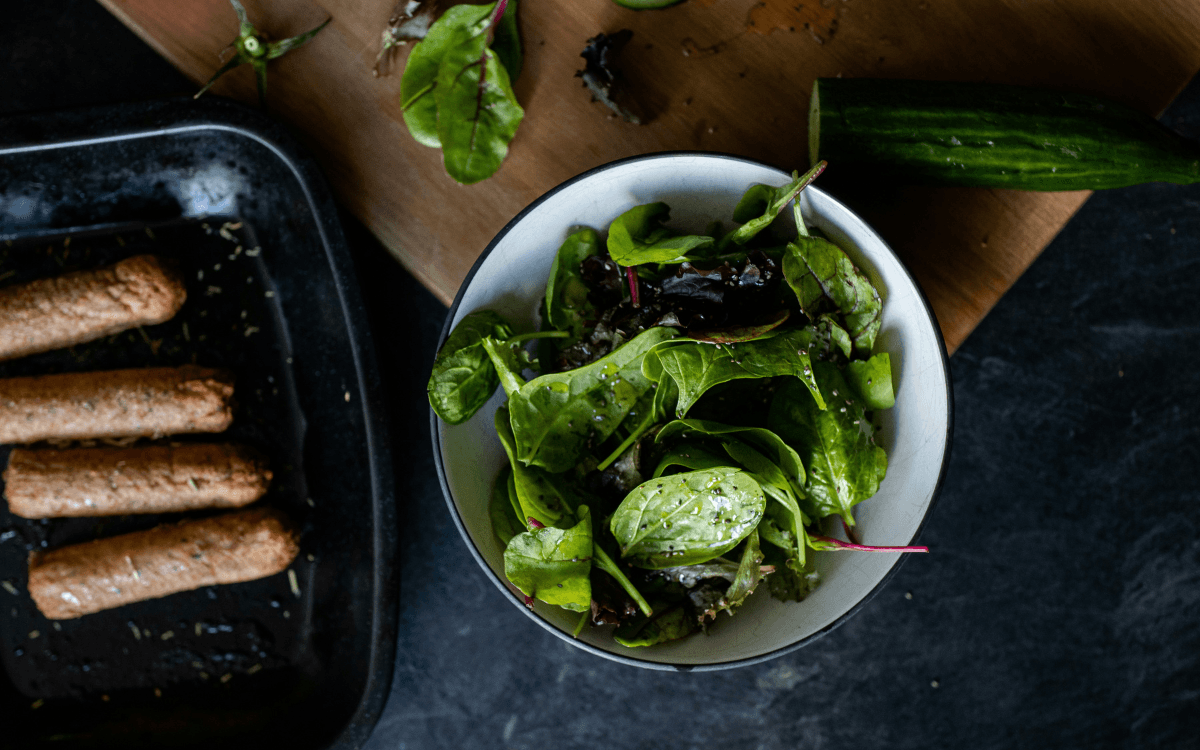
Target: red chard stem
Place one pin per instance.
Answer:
(631, 274)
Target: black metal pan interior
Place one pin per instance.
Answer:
(271, 295)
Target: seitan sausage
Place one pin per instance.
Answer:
(150, 402)
(240, 546)
(86, 305)
(113, 481)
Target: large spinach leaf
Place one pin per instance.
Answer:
(822, 276)
(567, 305)
(463, 377)
(697, 367)
(843, 463)
(557, 417)
(872, 381)
(687, 518)
(638, 236)
(553, 565)
(762, 203)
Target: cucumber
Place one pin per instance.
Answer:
(989, 135)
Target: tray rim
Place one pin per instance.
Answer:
(71, 128)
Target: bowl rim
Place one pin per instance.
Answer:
(644, 663)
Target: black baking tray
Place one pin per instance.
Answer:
(249, 219)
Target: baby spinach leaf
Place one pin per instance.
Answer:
(783, 455)
(696, 367)
(539, 495)
(638, 236)
(500, 508)
(872, 381)
(691, 456)
(822, 276)
(762, 203)
(687, 518)
(477, 111)
(567, 305)
(553, 565)
(556, 417)
(507, 42)
(669, 623)
(749, 574)
(419, 81)
(463, 377)
(843, 463)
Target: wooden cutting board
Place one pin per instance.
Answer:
(721, 75)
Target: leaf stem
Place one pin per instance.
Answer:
(583, 618)
(830, 544)
(602, 561)
(805, 181)
(634, 436)
(538, 335)
(498, 13)
(631, 275)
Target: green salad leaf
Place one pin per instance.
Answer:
(541, 496)
(762, 203)
(690, 456)
(501, 510)
(456, 94)
(638, 236)
(749, 574)
(843, 463)
(463, 378)
(793, 579)
(687, 518)
(554, 565)
(556, 417)
(478, 112)
(822, 276)
(567, 305)
(669, 623)
(419, 82)
(871, 380)
(696, 367)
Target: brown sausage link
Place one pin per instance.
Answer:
(84, 578)
(47, 314)
(151, 402)
(115, 481)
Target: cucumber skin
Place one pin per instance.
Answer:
(990, 135)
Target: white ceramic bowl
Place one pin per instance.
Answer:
(510, 278)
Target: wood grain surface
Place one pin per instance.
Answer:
(719, 75)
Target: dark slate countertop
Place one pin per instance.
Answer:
(1060, 606)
